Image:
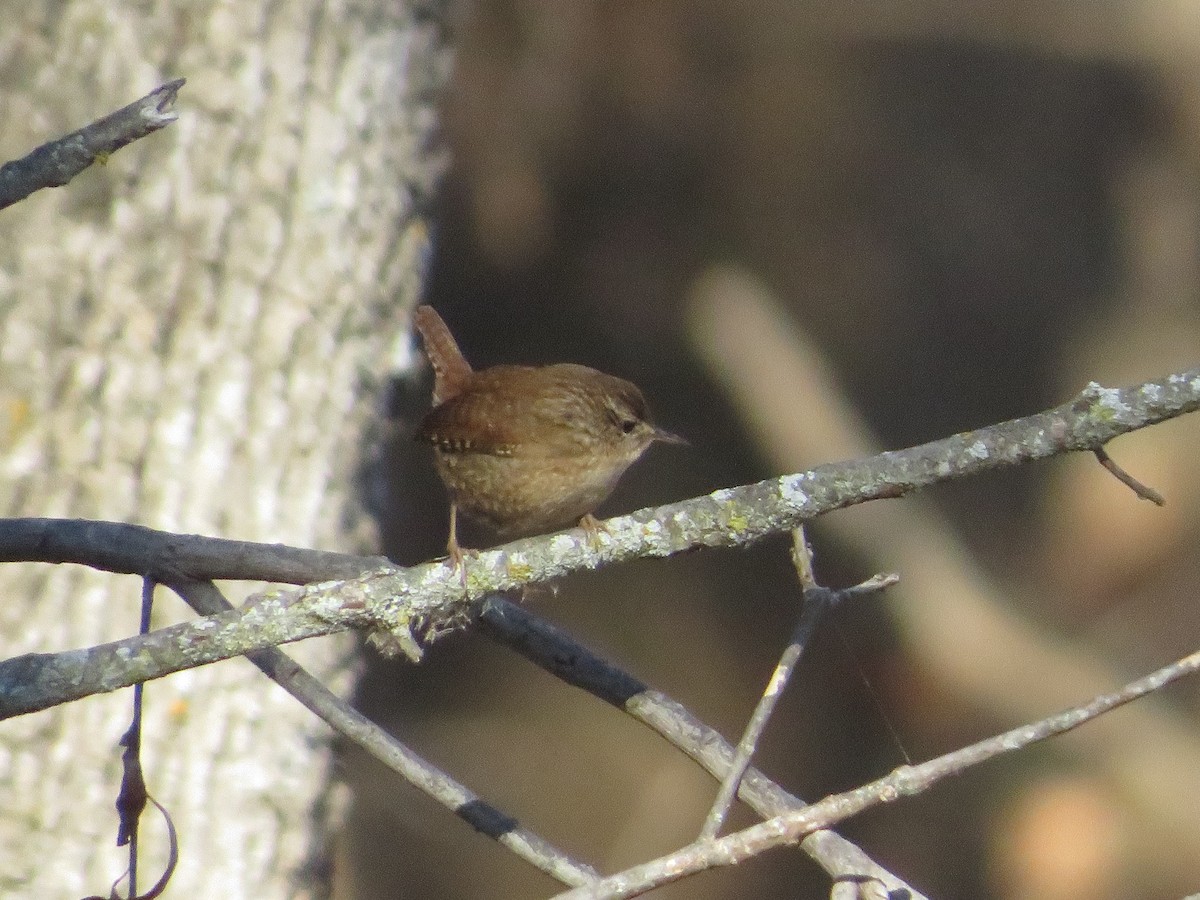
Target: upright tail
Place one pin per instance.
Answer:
(450, 368)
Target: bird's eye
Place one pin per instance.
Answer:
(627, 425)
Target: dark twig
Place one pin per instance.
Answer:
(817, 600)
(172, 854)
(57, 162)
(168, 870)
(136, 550)
(418, 604)
(206, 599)
(562, 656)
(904, 781)
(1142, 490)
(131, 799)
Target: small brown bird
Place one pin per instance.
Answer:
(526, 449)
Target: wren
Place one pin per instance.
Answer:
(527, 449)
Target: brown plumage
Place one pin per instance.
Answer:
(527, 449)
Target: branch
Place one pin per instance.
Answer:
(904, 781)
(420, 603)
(562, 656)
(56, 163)
(170, 558)
(816, 601)
(1143, 491)
(204, 598)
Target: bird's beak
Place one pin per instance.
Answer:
(661, 434)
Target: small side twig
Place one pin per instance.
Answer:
(1144, 491)
(55, 163)
(817, 600)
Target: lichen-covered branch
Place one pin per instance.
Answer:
(417, 604)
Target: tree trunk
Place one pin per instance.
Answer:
(194, 337)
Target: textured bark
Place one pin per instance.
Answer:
(193, 337)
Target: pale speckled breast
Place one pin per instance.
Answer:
(518, 495)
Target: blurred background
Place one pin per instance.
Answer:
(808, 235)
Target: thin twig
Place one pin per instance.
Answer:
(816, 601)
(802, 560)
(565, 658)
(168, 869)
(55, 163)
(1144, 491)
(904, 781)
(205, 598)
(131, 799)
